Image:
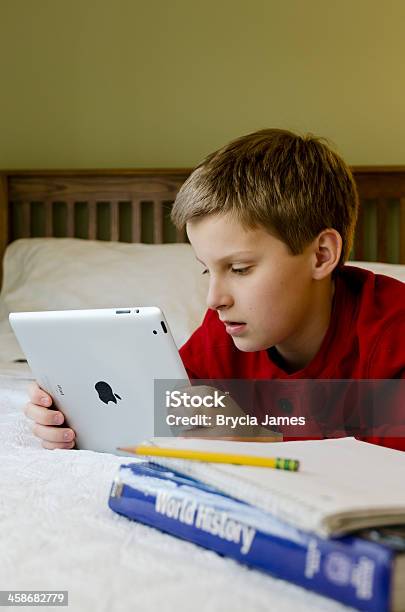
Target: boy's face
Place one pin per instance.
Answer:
(260, 290)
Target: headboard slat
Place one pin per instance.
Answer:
(92, 208)
(26, 219)
(114, 211)
(70, 222)
(136, 220)
(157, 222)
(48, 218)
(382, 228)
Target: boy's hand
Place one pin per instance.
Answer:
(46, 420)
(212, 429)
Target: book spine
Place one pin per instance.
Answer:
(351, 570)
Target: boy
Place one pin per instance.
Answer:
(271, 218)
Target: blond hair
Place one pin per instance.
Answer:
(293, 186)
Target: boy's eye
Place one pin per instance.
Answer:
(244, 270)
(241, 270)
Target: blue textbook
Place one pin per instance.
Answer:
(365, 572)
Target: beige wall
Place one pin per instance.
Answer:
(130, 83)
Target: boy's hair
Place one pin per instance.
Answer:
(293, 186)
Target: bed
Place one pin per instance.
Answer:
(103, 238)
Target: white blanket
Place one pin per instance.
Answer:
(58, 533)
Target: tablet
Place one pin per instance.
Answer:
(99, 366)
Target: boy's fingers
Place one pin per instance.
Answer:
(52, 445)
(53, 434)
(38, 395)
(43, 416)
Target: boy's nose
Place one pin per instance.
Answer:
(217, 297)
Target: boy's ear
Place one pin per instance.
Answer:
(326, 253)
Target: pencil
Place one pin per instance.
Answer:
(277, 463)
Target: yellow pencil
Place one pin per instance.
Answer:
(278, 463)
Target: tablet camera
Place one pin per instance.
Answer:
(162, 323)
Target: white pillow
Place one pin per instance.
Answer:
(64, 273)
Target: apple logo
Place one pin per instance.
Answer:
(105, 393)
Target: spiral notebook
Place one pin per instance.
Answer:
(343, 484)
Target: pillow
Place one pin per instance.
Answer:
(65, 273)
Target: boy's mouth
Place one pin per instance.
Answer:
(234, 328)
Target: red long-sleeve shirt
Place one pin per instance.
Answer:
(365, 340)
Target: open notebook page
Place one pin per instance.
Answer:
(342, 485)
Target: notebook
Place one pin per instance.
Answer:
(343, 484)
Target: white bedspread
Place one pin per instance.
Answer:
(57, 532)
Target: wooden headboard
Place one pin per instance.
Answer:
(134, 206)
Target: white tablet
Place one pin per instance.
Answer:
(99, 366)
